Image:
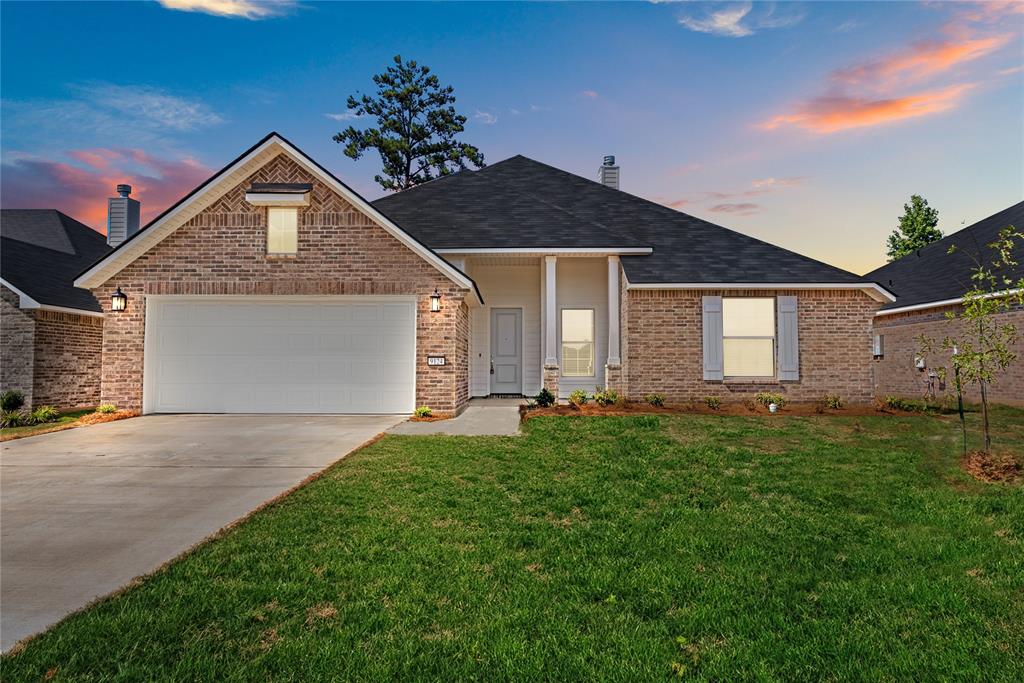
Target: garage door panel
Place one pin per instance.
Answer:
(267, 356)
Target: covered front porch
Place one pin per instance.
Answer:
(548, 319)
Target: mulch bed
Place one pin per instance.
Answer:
(993, 467)
(90, 419)
(432, 418)
(792, 409)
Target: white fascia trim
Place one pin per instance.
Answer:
(873, 290)
(152, 235)
(589, 251)
(278, 199)
(27, 302)
(944, 302)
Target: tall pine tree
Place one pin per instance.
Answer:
(416, 127)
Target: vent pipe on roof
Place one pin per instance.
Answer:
(122, 216)
(608, 173)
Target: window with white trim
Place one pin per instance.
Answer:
(748, 336)
(282, 230)
(577, 342)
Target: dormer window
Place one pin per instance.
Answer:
(282, 230)
(282, 201)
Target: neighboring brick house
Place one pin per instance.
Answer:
(273, 287)
(50, 331)
(929, 284)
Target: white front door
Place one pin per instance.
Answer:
(280, 354)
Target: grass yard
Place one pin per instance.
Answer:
(596, 549)
(60, 423)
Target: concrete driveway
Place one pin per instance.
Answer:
(84, 511)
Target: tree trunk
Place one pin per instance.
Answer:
(984, 416)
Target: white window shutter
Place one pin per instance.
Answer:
(713, 365)
(789, 341)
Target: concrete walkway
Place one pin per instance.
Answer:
(84, 511)
(483, 417)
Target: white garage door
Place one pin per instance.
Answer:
(280, 355)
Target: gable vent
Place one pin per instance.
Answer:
(122, 216)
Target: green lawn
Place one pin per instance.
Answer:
(596, 549)
(64, 419)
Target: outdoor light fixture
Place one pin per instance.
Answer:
(435, 301)
(119, 300)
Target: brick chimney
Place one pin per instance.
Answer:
(608, 173)
(122, 216)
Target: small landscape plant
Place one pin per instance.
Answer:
(11, 400)
(424, 411)
(11, 418)
(106, 408)
(44, 414)
(713, 402)
(766, 398)
(578, 398)
(656, 400)
(833, 401)
(606, 397)
(897, 403)
(545, 398)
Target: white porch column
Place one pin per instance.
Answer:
(613, 311)
(550, 313)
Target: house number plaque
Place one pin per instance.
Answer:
(435, 360)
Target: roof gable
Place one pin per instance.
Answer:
(221, 182)
(932, 274)
(41, 252)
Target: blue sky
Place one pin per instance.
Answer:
(807, 125)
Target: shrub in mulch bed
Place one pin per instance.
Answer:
(993, 467)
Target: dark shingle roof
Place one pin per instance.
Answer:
(280, 188)
(523, 203)
(933, 274)
(41, 252)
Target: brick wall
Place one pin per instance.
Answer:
(665, 350)
(896, 374)
(68, 358)
(17, 346)
(222, 250)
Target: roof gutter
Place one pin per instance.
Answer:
(945, 302)
(872, 289)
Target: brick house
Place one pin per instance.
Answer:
(274, 287)
(51, 332)
(929, 284)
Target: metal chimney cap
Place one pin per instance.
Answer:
(124, 189)
(609, 160)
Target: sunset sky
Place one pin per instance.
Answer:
(804, 124)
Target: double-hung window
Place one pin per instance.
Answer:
(748, 336)
(282, 230)
(577, 342)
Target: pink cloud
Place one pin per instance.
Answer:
(82, 191)
(906, 84)
(922, 60)
(592, 94)
(740, 209)
(830, 114)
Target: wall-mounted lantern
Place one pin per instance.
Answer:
(119, 300)
(435, 301)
